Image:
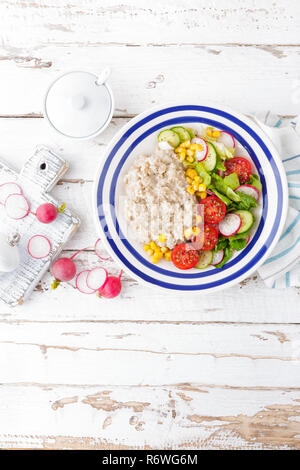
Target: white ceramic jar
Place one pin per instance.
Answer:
(79, 104)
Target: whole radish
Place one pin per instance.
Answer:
(64, 269)
(46, 213)
(111, 288)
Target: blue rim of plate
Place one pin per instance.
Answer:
(113, 185)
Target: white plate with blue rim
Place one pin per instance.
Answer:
(139, 136)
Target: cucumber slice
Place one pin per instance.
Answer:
(247, 220)
(210, 161)
(182, 132)
(169, 136)
(206, 178)
(205, 258)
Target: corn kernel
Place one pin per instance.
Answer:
(203, 195)
(198, 218)
(168, 256)
(186, 144)
(193, 146)
(177, 150)
(154, 260)
(209, 131)
(216, 133)
(202, 187)
(190, 190)
(188, 180)
(191, 172)
(197, 179)
(153, 245)
(162, 238)
(146, 247)
(190, 159)
(190, 153)
(188, 232)
(181, 157)
(156, 255)
(150, 252)
(196, 186)
(164, 249)
(196, 231)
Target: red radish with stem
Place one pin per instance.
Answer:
(39, 246)
(6, 189)
(46, 213)
(64, 269)
(96, 278)
(97, 250)
(81, 283)
(16, 206)
(227, 139)
(111, 288)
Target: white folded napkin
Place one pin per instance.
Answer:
(282, 268)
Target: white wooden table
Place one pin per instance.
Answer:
(218, 372)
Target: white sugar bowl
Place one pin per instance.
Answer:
(79, 104)
(9, 253)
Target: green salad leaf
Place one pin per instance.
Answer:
(232, 180)
(255, 181)
(228, 252)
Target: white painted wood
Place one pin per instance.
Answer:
(183, 416)
(248, 78)
(28, 24)
(146, 370)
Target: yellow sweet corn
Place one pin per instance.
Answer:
(164, 249)
(168, 255)
(162, 238)
(186, 144)
(153, 245)
(216, 133)
(198, 179)
(203, 195)
(190, 159)
(202, 187)
(209, 131)
(195, 186)
(150, 252)
(181, 157)
(146, 247)
(190, 153)
(190, 190)
(191, 173)
(154, 259)
(188, 180)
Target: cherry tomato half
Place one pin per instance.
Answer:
(239, 165)
(184, 256)
(207, 239)
(214, 209)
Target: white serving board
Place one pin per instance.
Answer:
(37, 177)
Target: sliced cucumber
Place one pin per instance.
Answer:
(169, 136)
(210, 161)
(206, 178)
(205, 258)
(182, 132)
(247, 220)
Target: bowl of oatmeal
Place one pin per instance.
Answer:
(180, 210)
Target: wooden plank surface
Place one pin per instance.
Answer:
(146, 370)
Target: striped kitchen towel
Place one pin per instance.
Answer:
(282, 268)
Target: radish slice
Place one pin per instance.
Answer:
(39, 246)
(217, 257)
(248, 240)
(97, 249)
(16, 206)
(81, 284)
(227, 139)
(249, 190)
(96, 278)
(230, 225)
(6, 189)
(165, 146)
(203, 153)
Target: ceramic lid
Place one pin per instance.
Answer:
(77, 105)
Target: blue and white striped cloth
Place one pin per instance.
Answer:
(282, 268)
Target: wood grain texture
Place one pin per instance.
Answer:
(146, 370)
